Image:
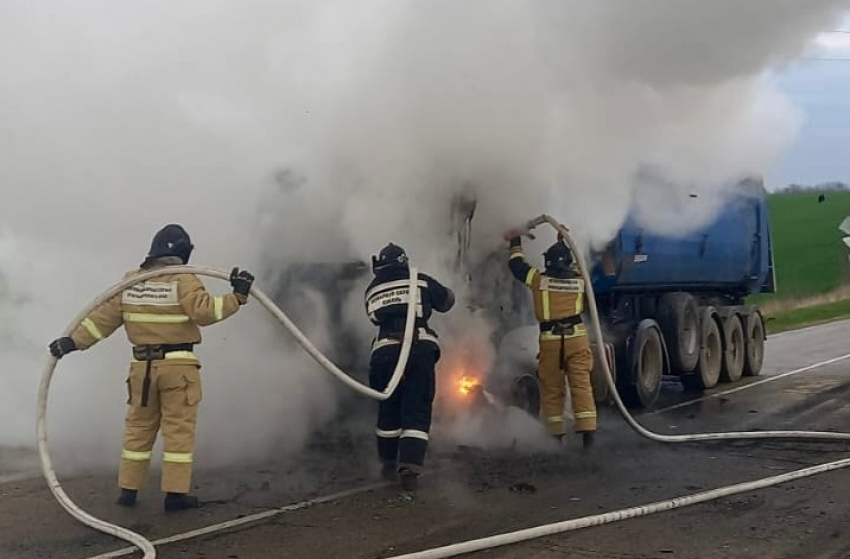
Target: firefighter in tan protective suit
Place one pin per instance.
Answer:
(161, 317)
(558, 294)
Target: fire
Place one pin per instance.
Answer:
(466, 384)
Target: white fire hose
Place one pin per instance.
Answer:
(132, 537)
(472, 545)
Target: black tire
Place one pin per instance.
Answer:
(754, 340)
(707, 372)
(678, 316)
(525, 394)
(647, 367)
(734, 350)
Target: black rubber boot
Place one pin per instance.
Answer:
(127, 498)
(180, 501)
(587, 438)
(409, 480)
(389, 472)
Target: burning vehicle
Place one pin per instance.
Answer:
(670, 306)
(467, 378)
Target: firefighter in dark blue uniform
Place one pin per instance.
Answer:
(404, 419)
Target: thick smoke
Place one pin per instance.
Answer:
(283, 132)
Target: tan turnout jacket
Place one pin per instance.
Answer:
(167, 309)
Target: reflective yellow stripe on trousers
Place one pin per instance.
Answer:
(585, 415)
(177, 457)
(135, 456)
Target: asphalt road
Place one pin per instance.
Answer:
(471, 493)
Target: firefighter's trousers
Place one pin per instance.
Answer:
(173, 398)
(577, 364)
(404, 419)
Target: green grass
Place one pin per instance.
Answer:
(797, 318)
(809, 256)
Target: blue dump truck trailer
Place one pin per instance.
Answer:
(677, 305)
(670, 305)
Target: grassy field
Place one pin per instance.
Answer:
(812, 269)
(809, 255)
(815, 314)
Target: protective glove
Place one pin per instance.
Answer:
(62, 346)
(241, 282)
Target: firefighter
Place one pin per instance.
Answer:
(404, 419)
(161, 317)
(558, 294)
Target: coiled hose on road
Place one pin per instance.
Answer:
(472, 545)
(41, 425)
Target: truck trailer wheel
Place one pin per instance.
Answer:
(711, 354)
(647, 364)
(755, 344)
(734, 351)
(678, 316)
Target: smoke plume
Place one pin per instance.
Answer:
(285, 132)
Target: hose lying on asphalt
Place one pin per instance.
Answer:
(41, 426)
(643, 510)
(498, 540)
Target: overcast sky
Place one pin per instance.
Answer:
(820, 85)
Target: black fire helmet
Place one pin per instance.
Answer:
(391, 256)
(171, 240)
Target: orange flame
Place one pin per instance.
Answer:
(466, 384)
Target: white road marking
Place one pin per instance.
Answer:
(750, 385)
(247, 519)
